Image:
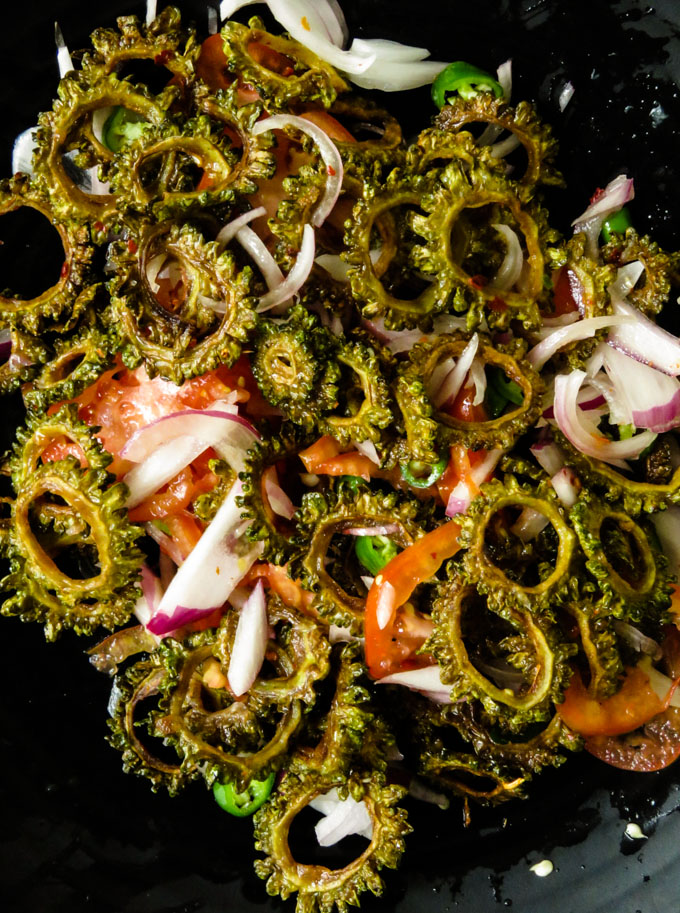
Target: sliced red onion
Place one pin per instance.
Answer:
(205, 580)
(427, 680)
(64, 61)
(620, 412)
(565, 484)
(465, 491)
(231, 229)
(566, 95)
(482, 471)
(452, 383)
(653, 397)
(644, 341)
(150, 11)
(279, 501)
(342, 817)
(511, 268)
(548, 456)
(152, 592)
(529, 524)
(667, 525)
(582, 431)
(386, 529)
(160, 468)
(582, 329)
(562, 321)
(250, 642)
(334, 20)
(367, 581)
(387, 603)
(478, 378)
(22, 152)
(329, 153)
(367, 449)
(295, 278)
(460, 499)
(608, 201)
(637, 640)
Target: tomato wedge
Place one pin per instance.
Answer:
(652, 748)
(390, 648)
(324, 458)
(634, 704)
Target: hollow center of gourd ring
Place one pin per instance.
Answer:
(31, 253)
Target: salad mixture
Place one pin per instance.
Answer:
(370, 473)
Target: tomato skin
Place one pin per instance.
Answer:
(324, 458)
(464, 410)
(276, 578)
(332, 127)
(654, 747)
(632, 706)
(389, 649)
(567, 292)
(211, 65)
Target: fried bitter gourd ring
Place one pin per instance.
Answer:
(30, 352)
(623, 557)
(295, 366)
(274, 531)
(236, 740)
(523, 122)
(46, 593)
(460, 643)
(173, 155)
(384, 142)
(320, 888)
(651, 291)
(321, 518)
(599, 644)
(60, 305)
(75, 363)
(462, 249)
(69, 126)
(190, 339)
(283, 71)
(533, 575)
(139, 683)
(365, 407)
(498, 432)
(164, 41)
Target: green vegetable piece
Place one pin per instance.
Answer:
(412, 472)
(374, 552)
(247, 802)
(123, 127)
(463, 79)
(616, 224)
(508, 389)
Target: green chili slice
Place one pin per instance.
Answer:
(507, 388)
(122, 127)
(414, 472)
(374, 552)
(616, 224)
(243, 804)
(463, 79)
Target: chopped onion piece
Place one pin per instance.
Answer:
(295, 278)
(279, 501)
(389, 50)
(150, 11)
(207, 577)
(387, 604)
(582, 431)
(386, 529)
(250, 642)
(582, 329)
(258, 251)
(160, 467)
(460, 499)
(329, 153)
(548, 456)
(418, 789)
(504, 147)
(367, 449)
(398, 76)
(64, 61)
(653, 398)
(511, 267)
(454, 380)
(478, 378)
(566, 95)
(342, 818)
(606, 202)
(564, 482)
(504, 76)
(338, 635)
(661, 684)
(427, 679)
(529, 524)
(637, 640)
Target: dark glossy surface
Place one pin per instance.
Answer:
(75, 833)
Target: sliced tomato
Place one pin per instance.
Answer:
(185, 530)
(324, 458)
(332, 127)
(653, 747)
(393, 647)
(464, 409)
(171, 499)
(567, 291)
(276, 578)
(633, 705)
(212, 66)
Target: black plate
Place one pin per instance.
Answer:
(76, 834)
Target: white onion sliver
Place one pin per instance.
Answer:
(347, 817)
(661, 683)
(215, 565)
(529, 524)
(64, 61)
(426, 679)
(504, 147)
(482, 471)
(653, 398)
(231, 229)
(548, 457)
(150, 11)
(386, 529)
(582, 432)
(478, 378)
(160, 467)
(367, 449)
(504, 76)
(386, 606)
(22, 152)
(566, 95)
(279, 501)
(389, 50)
(257, 249)
(582, 329)
(459, 500)
(615, 195)
(667, 525)
(329, 153)
(454, 380)
(295, 278)
(334, 265)
(250, 642)
(511, 267)
(398, 76)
